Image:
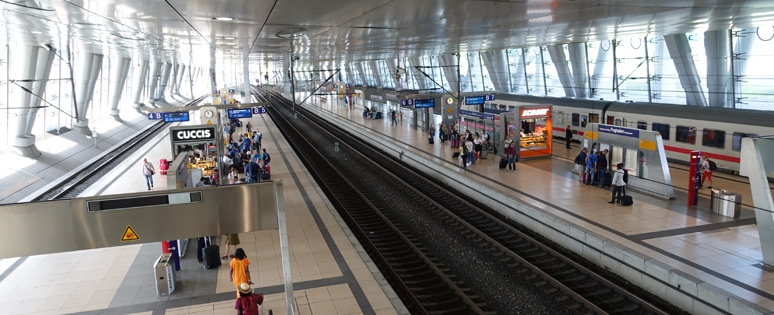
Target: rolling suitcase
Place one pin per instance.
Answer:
(267, 169)
(211, 254)
(608, 179)
(626, 200)
(430, 140)
(503, 163)
(455, 143)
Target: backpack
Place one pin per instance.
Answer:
(267, 157)
(250, 304)
(577, 159)
(464, 148)
(626, 176)
(712, 166)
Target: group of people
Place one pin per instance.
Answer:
(593, 171)
(246, 159)
(471, 146)
(247, 302)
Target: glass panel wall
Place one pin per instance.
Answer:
(534, 68)
(553, 83)
(476, 68)
(516, 71)
(632, 69)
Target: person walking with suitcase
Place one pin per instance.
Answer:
(240, 271)
(618, 184)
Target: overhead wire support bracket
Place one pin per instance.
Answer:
(431, 79)
(321, 85)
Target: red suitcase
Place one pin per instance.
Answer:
(267, 169)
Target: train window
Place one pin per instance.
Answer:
(610, 120)
(593, 118)
(736, 144)
(685, 134)
(663, 129)
(618, 122)
(575, 119)
(584, 120)
(713, 138)
(642, 125)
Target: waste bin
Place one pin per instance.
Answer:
(165, 275)
(726, 203)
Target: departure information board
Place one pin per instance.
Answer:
(424, 103)
(176, 116)
(240, 113)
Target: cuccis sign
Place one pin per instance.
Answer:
(193, 135)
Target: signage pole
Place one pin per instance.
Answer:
(695, 178)
(292, 76)
(220, 146)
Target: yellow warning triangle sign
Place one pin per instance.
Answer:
(130, 235)
(209, 122)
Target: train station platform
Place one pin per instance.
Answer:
(331, 273)
(701, 262)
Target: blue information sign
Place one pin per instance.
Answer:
(474, 100)
(155, 116)
(349, 85)
(239, 113)
(406, 102)
(176, 116)
(634, 133)
(424, 103)
(258, 110)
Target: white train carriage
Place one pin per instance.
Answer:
(715, 131)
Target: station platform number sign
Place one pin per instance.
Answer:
(258, 110)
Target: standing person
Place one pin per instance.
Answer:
(249, 127)
(582, 162)
(478, 145)
(442, 132)
(253, 172)
(707, 169)
(394, 121)
(568, 136)
(510, 155)
(464, 155)
(618, 184)
(591, 168)
(233, 177)
(240, 271)
(148, 171)
(602, 167)
(247, 303)
(471, 152)
(231, 239)
(266, 158)
(215, 177)
(485, 140)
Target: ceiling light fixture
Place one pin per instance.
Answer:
(223, 18)
(229, 38)
(36, 32)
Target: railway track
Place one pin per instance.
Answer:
(423, 281)
(77, 183)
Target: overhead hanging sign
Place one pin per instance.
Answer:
(176, 116)
(424, 103)
(476, 114)
(634, 133)
(474, 100)
(407, 102)
(239, 113)
(155, 116)
(258, 110)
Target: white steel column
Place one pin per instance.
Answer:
(117, 84)
(392, 66)
(599, 66)
(448, 64)
(756, 160)
(417, 75)
(495, 63)
(680, 51)
(180, 75)
(166, 70)
(33, 68)
(173, 79)
(361, 72)
(716, 46)
(246, 74)
(578, 62)
(139, 74)
(89, 66)
(375, 72)
(155, 73)
(563, 71)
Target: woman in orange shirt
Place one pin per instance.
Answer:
(240, 273)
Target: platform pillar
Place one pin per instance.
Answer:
(246, 76)
(680, 52)
(164, 81)
(117, 84)
(756, 160)
(89, 66)
(417, 75)
(579, 64)
(139, 74)
(563, 71)
(180, 75)
(33, 67)
(496, 65)
(155, 74)
(716, 46)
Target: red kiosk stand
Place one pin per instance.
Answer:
(694, 180)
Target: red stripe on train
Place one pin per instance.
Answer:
(721, 157)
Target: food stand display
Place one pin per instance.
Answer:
(200, 142)
(535, 131)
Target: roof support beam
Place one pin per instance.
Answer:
(496, 65)
(139, 74)
(33, 68)
(166, 69)
(89, 67)
(717, 49)
(579, 63)
(155, 73)
(375, 73)
(417, 74)
(117, 84)
(680, 52)
(563, 71)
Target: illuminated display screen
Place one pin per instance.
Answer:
(424, 103)
(240, 113)
(176, 116)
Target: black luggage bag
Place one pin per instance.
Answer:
(211, 254)
(626, 200)
(503, 163)
(608, 181)
(430, 140)
(456, 154)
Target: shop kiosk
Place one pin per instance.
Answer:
(534, 131)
